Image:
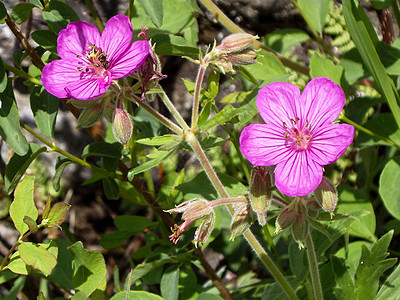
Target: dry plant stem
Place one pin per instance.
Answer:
(313, 264)
(251, 239)
(232, 27)
(166, 218)
(95, 15)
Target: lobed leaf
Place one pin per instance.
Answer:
(154, 9)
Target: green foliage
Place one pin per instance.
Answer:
(315, 12)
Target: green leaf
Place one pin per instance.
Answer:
(365, 38)
(114, 239)
(17, 287)
(45, 108)
(103, 149)
(133, 224)
(45, 38)
(9, 122)
(21, 12)
(17, 166)
(17, 265)
(58, 214)
(222, 117)
(37, 3)
(322, 66)
(3, 77)
(59, 16)
(237, 97)
(110, 187)
(371, 267)
(31, 224)
(345, 286)
(388, 187)
(154, 9)
(315, 11)
(285, 39)
(158, 157)
(169, 283)
(128, 192)
(3, 13)
(89, 269)
(267, 66)
(61, 163)
(160, 140)
(148, 124)
(381, 4)
(63, 273)
(351, 201)
(390, 289)
(23, 204)
(39, 256)
(135, 295)
(79, 296)
(298, 260)
(384, 125)
(142, 269)
(208, 296)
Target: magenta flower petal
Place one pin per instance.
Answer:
(90, 62)
(322, 101)
(116, 38)
(298, 137)
(277, 103)
(298, 175)
(331, 142)
(263, 145)
(131, 62)
(73, 40)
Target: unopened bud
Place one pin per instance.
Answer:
(242, 58)
(285, 219)
(204, 230)
(122, 125)
(300, 229)
(260, 194)
(236, 42)
(90, 115)
(327, 195)
(313, 208)
(241, 219)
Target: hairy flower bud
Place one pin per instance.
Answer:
(122, 125)
(312, 207)
(242, 58)
(285, 219)
(327, 195)
(192, 209)
(241, 219)
(90, 115)
(300, 229)
(260, 194)
(205, 228)
(236, 42)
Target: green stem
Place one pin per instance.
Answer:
(275, 254)
(232, 27)
(251, 239)
(157, 115)
(343, 118)
(22, 74)
(95, 15)
(396, 12)
(54, 148)
(172, 109)
(225, 201)
(10, 252)
(314, 272)
(196, 96)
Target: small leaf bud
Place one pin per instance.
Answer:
(327, 195)
(58, 214)
(122, 125)
(260, 194)
(31, 224)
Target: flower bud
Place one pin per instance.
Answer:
(241, 219)
(300, 229)
(122, 125)
(242, 58)
(205, 228)
(285, 219)
(327, 195)
(236, 42)
(312, 207)
(260, 194)
(90, 115)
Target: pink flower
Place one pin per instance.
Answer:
(298, 137)
(90, 61)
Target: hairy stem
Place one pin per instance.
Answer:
(172, 109)
(22, 74)
(313, 264)
(196, 96)
(251, 239)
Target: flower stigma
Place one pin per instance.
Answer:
(298, 136)
(97, 62)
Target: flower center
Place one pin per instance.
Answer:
(95, 62)
(298, 136)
